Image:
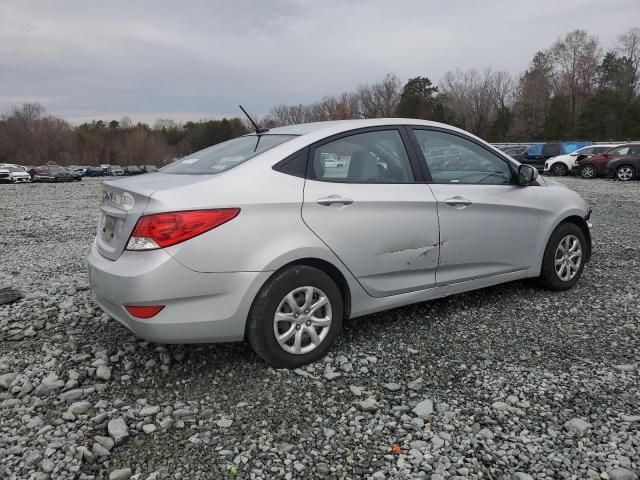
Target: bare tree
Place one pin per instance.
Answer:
(628, 45)
(576, 58)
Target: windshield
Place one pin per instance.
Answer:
(226, 155)
(13, 169)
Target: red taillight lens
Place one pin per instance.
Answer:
(144, 311)
(165, 229)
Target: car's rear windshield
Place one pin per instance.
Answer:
(225, 155)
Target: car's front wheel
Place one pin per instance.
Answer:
(564, 257)
(295, 317)
(625, 173)
(559, 169)
(588, 171)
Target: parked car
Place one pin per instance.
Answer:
(562, 164)
(624, 168)
(115, 170)
(148, 168)
(94, 171)
(279, 250)
(77, 169)
(538, 153)
(596, 165)
(77, 175)
(14, 174)
(51, 173)
(132, 170)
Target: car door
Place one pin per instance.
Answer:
(489, 225)
(365, 200)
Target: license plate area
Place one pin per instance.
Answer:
(109, 227)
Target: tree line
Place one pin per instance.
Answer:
(574, 89)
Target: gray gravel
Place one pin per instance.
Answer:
(510, 382)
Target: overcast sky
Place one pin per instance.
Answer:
(199, 59)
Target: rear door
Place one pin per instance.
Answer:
(364, 199)
(488, 224)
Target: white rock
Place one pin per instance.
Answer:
(621, 474)
(577, 426)
(424, 409)
(149, 428)
(149, 411)
(79, 408)
(369, 405)
(120, 474)
(118, 430)
(224, 423)
(6, 379)
(357, 391)
(103, 372)
(392, 387)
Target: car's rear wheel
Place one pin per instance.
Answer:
(559, 169)
(295, 317)
(588, 171)
(564, 257)
(625, 173)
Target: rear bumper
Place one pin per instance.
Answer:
(199, 307)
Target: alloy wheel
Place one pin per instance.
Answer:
(588, 171)
(302, 320)
(624, 173)
(568, 258)
(559, 169)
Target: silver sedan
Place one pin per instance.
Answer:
(278, 236)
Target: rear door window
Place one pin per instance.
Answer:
(551, 149)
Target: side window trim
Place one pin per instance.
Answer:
(423, 161)
(417, 177)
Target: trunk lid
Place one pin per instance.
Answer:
(123, 202)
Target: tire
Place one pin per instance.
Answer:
(624, 173)
(588, 171)
(559, 169)
(549, 276)
(272, 299)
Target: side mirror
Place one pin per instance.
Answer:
(526, 174)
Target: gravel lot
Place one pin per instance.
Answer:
(510, 382)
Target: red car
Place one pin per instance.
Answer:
(596, 165)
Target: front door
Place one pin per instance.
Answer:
(488, 224)
(362, 200)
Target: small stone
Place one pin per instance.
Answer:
(630, 418)
(224, 423)
(627, 367)
(99, 451)
(120, 474)
(392, 387)
(331, 375)
(299, 467)
(7, 379)
(149, 428)
(486, 433)
(369, 405)
(47, 465)
(79, 408)
(416, 384)
(106, 442)
(577, 426)
(357, 391)
(33, 458)
(118, 430)
(51, 383)
(424, 409)
(521, 476)
(103, 372)
(621, 474)
(500, 406)
(149, 411)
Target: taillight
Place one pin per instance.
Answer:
(144, 311)
(162, 230)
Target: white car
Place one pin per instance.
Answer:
(561, 165)
(14, 174)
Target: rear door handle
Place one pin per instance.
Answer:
(331, 199)
(458, 202)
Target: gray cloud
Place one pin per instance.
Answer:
(189, 60)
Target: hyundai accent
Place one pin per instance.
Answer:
(276, 237)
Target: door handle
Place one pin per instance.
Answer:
(331, 199)
(458, 202)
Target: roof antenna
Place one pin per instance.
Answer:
(255, 125)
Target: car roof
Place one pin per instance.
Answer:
(338, 126)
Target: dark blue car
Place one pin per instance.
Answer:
(95, 172)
